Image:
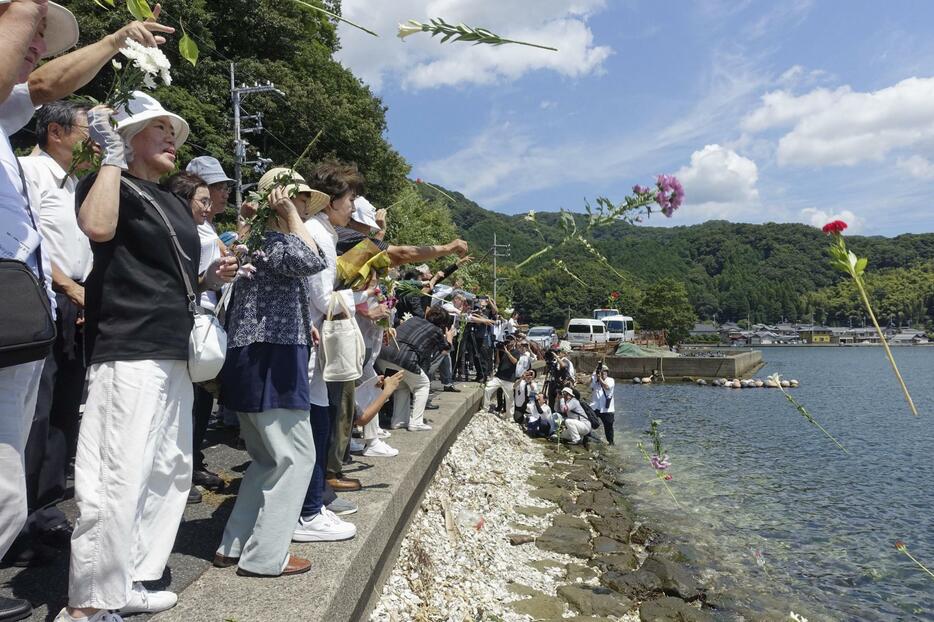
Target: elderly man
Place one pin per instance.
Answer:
(54, 434)
(34, 29)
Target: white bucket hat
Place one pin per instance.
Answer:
(141, 110)
(364, 213)
(209, 169)
(61, 29)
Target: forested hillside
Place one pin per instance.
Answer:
(731, 271)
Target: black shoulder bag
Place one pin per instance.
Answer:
(27, 331)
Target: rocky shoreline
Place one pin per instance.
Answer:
(513, 529)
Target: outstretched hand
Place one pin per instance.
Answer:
(146, 32)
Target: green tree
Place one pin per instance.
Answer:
(274, 40)
(665, 306)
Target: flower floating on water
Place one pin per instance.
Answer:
(794, 617)
(903, 548)
(846, 260)
(660, 463)
(460, 32)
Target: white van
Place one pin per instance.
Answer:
(620, 328)
(586, 330)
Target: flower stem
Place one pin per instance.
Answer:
(533, 256)
(885, 344)
(337, 17)
(659, 475)
(531, 45)
(912, 558)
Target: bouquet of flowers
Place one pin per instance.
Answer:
(144, 66)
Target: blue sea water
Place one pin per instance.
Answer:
(777, 507)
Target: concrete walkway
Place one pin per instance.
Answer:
(345, 576)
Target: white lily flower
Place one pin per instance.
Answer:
(409, 28)
(116, 65)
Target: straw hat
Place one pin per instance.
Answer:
(316, 202)
(61, 29)
(141, 110)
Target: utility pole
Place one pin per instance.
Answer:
(496, 253)
(237, 95)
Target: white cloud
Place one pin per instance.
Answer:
(423, 62)
(719, 175)
(818, 218)
(846, 127)
(917, 166)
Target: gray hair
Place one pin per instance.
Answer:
(61, 112)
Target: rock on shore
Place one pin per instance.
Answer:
(513, 529)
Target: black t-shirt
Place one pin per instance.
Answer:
(347, 238)
(507, 369)
(136, 303)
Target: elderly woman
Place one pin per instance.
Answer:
(265, 381)
(200, 198)
(133, 465)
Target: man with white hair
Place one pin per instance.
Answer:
(32, 30)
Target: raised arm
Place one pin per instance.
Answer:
(98, 214)
(66, 74)
(412, 254)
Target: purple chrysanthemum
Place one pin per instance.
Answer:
(670, 194)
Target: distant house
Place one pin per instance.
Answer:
(816, 334)
(704, 330)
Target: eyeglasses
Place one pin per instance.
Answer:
(224, 187)
(205, 203)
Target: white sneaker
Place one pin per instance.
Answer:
(383, 433)
(379, 449)
(325, 527)
(397, 426)
(356, 447)
(100, 616)
(419, 427)
(147, 601)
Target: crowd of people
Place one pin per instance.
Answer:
(125, 259)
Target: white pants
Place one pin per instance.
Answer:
(575, 430)
(282, 449)
(492, 385)
(132, 476)
(407, 410)
(19, 386)
(371, 428)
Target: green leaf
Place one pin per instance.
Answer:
(108, 6)
(861, 265)
(187, 47)
(139, 9)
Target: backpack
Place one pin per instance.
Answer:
(591, 415)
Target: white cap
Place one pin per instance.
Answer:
(567, 390)
(364, 213)
(61, 29)
(144, 108)
(209, 169)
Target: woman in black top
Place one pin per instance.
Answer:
(133, 466)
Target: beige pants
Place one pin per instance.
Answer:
(132, 476)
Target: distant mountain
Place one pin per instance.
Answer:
(732, 271)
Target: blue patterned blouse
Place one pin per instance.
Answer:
(273, 306)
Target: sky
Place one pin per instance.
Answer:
(768, 111)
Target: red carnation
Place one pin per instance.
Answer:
(418, 180)
(834, 227)
(615, 295)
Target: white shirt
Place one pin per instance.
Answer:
(62, 239)
(569, 365)
(519, 392)
(210, 252)
(524, 364)
(18, 239)
(600, 400)
(320, 288)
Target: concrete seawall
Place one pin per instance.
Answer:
(732, 365)
(346, 577)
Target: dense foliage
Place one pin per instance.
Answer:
(665, 307)
(765, 273)
(272, 40)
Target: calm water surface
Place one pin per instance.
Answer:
(753, 475)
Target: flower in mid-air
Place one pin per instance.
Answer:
(834, 227)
